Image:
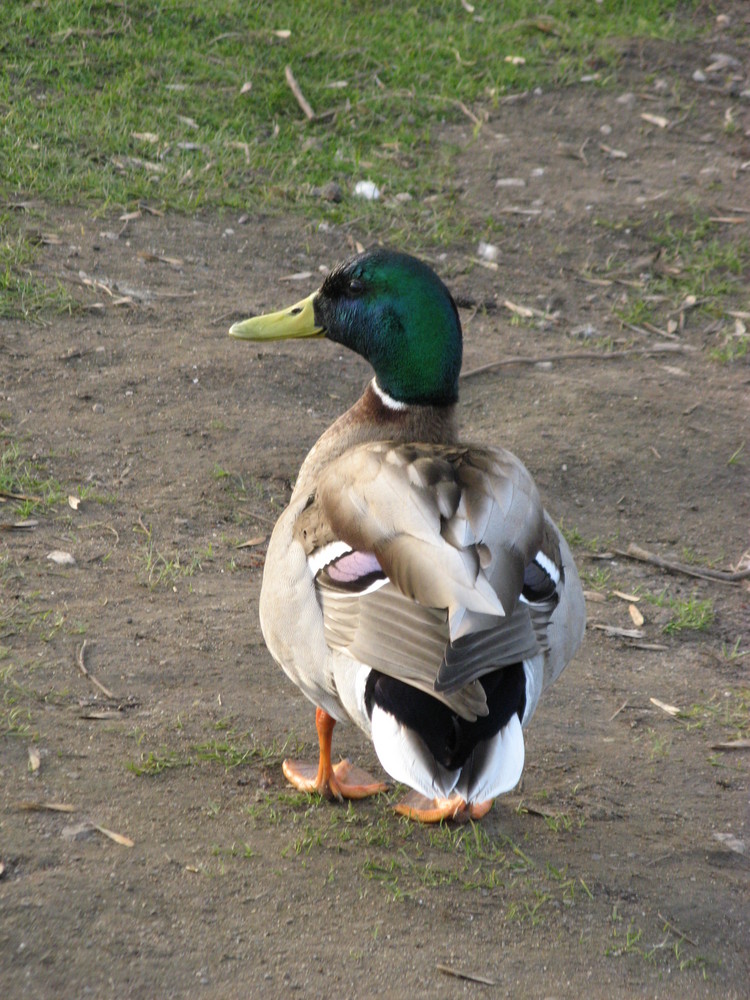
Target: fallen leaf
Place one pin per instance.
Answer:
(299, 276)
(613, 154)
(160, 258)
(657, 120)
(255, 540)
(595, 597)
(518, 310)
(632, 598)
(60, 807)
(118, 838)
(246, 87)
(74, 502)
(282, 33)
(669, 709)
(635, 615)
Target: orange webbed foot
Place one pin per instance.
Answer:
(332, 781)
(342, 781)
(424, 810)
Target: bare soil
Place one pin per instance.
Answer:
(620, 867)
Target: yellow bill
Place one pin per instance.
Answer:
(296, 321)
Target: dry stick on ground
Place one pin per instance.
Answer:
(448, 970)
(677, 931)
(86, 672)
(634, 551)
(299, 96)
(9, 495)
(580, 356)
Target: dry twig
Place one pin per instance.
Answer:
(634, 551)
(87, 673)
(580, 356)
(448, 970)
(299, 96)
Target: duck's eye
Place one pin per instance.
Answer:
(355, 287)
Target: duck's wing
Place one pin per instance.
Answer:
(553, 592)
(419, 554)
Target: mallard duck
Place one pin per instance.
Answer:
(415, 584)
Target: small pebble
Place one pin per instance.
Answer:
(367, 190)
(699, 76)
(488, 251)
(721, 61)
(585, 331)
(77, 831)
(97, 408)
(510, 182)
(331, 192)
(626, 98)
(403, 196)
(61, 558)
(605, 129)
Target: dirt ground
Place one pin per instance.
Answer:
(620, 867)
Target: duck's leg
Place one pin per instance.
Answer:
(332, 781)
(425, 810)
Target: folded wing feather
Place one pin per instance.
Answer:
(452, 529)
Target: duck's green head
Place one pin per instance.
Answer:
(390, 308)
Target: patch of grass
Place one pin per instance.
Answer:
(22, 294)
(732, 348)
(730, 712)
(736, 457)
(156, 762)
(575, 539)
(598, 578)
(690, 614)
(635, 311)
(16, 701)
(733, 653)
(22, 480)
(669, 951)
(186, 103)
(697, 260)
(160, 570)
(235, 750)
